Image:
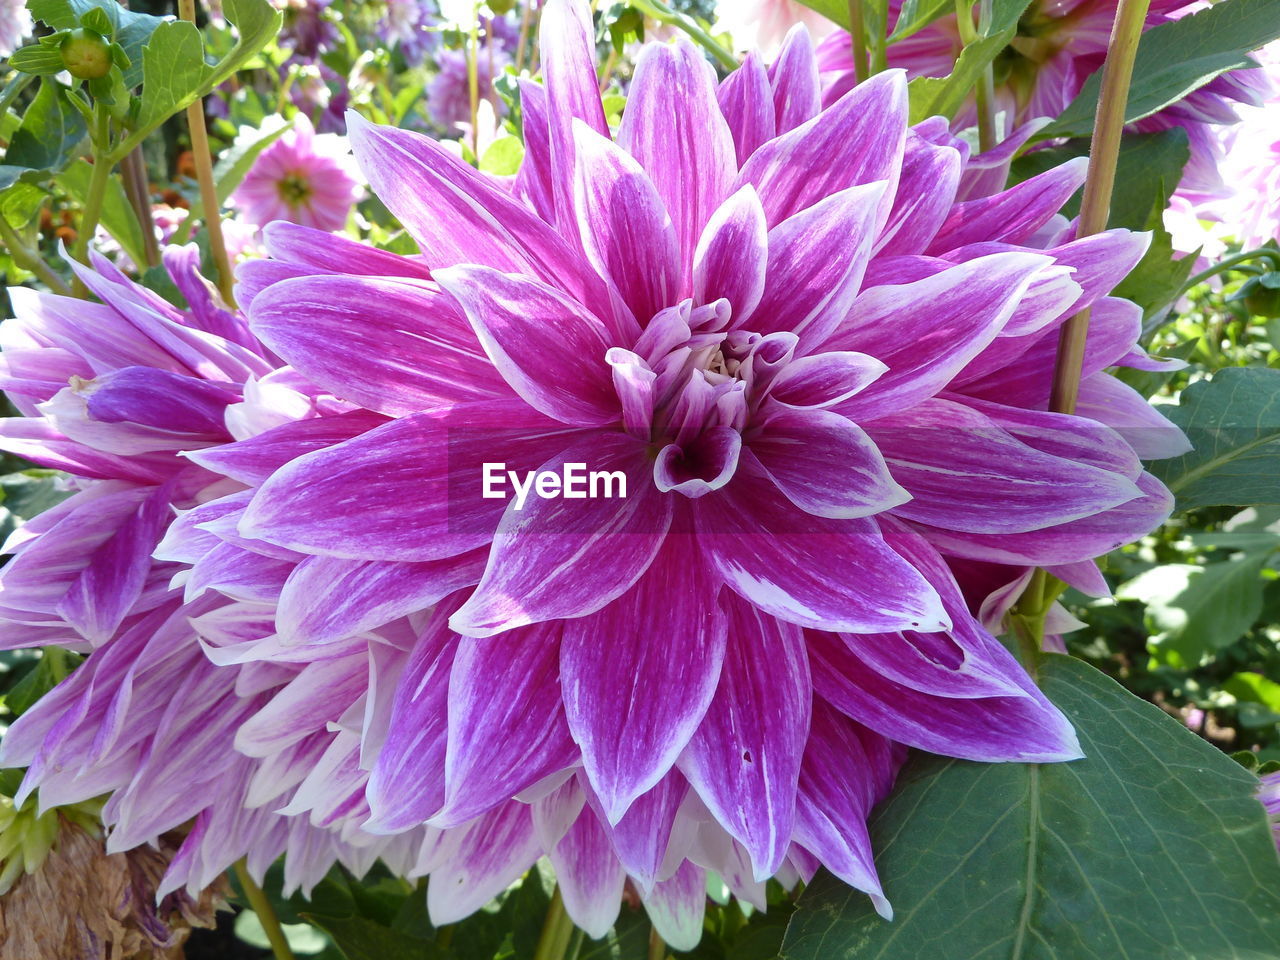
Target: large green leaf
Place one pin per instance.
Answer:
(173, 70)
(49, 137)
(1194, 609)
(915, 15)
(132, 30)
(1152, 848)
(943, 96)
(1179, 57)
(837, 10)
(1233, 422)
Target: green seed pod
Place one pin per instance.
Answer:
(86, 54)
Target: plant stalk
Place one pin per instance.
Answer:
(557, 931)
(526, 24)
(1095, 207)
(204, 175)
(663, 13)
(134, 171)
(266, 913)
(30, 260)
(858, 38)
(92, 212)
(473, 85)
(1269, 254)
(657, 948)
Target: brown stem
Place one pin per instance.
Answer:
(138, 191)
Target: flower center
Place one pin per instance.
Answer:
(294, 188)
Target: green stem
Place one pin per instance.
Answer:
(1095, 207)
(557, 931)
(1270, 254)
(858, 37)
(266, 913)
(1028, 616)
(473, 85)
(657, 948)
(985, 94)
(664, 14)
(29, 260)
(12, 89)
(102, 166)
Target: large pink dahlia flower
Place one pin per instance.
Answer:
(1059, 44)
(816, 345)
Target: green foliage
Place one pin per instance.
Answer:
(943, 96)
(130, 30)
(174, 72)
(1233, 421)
(1099, 858)
(1178, 57)
(117, 215)
(49, 137)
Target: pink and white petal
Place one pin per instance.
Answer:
(406, 782)
(507, 725)
(965, 472)
(925, 194)
(316, 695)
(642, 837)
(332, 598)
(794, 76)
(824, 379)
(826, 465)
(590, 877)
(1014, 215)
(960, 311)
(477, 862)
(413, 352)
(638, 676)
(746, 100)
(677, 905)
(744, 759)
(1025, 729)
(549, 348)
(1151, 435)
(732, 255)
(569, 557)
(817, 259)
(793, 171)
(625, 229)
(813, 571)
(673, 101)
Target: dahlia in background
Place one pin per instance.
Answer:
(1059, 44)
(1252, 164)
(763, 24)
(15, 25)
(303, 177)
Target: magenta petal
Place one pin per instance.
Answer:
(641, 837)
(1026, 729)
(794, 75)
(1149, 433)
(562, 558)
(625, 229)
(547, 347)
(413, 352)
(795, 171)
(826, 465)
(334, 253)
(304, 705)
(506, 720)
(636, 687)
(813, 571)
(966, 472)
(589, 874)
(744, 760)
(824, 379)
(837, 791)
(968, 305)
(701, 466)
(676, 906)
(567, 45)
(330, 598)
(817, 259)
(673, 101)
(732, 255)
(925, 194)
(406, 783)
(746, 100)
(479, 861)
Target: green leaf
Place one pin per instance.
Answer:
(1152, 848)
(1194, 609)
(837, 10)
(32, 492)
(256, 22)
(1233, 422)
(97, 20)
(173, 72)
(503, 157)
(49, 137)
(37, 58)
(915, 15)
(39, 681)
(131, 30)
(1178, 57)
(117, 214)
(1006, 14)
(361, 939)
(943, 96)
